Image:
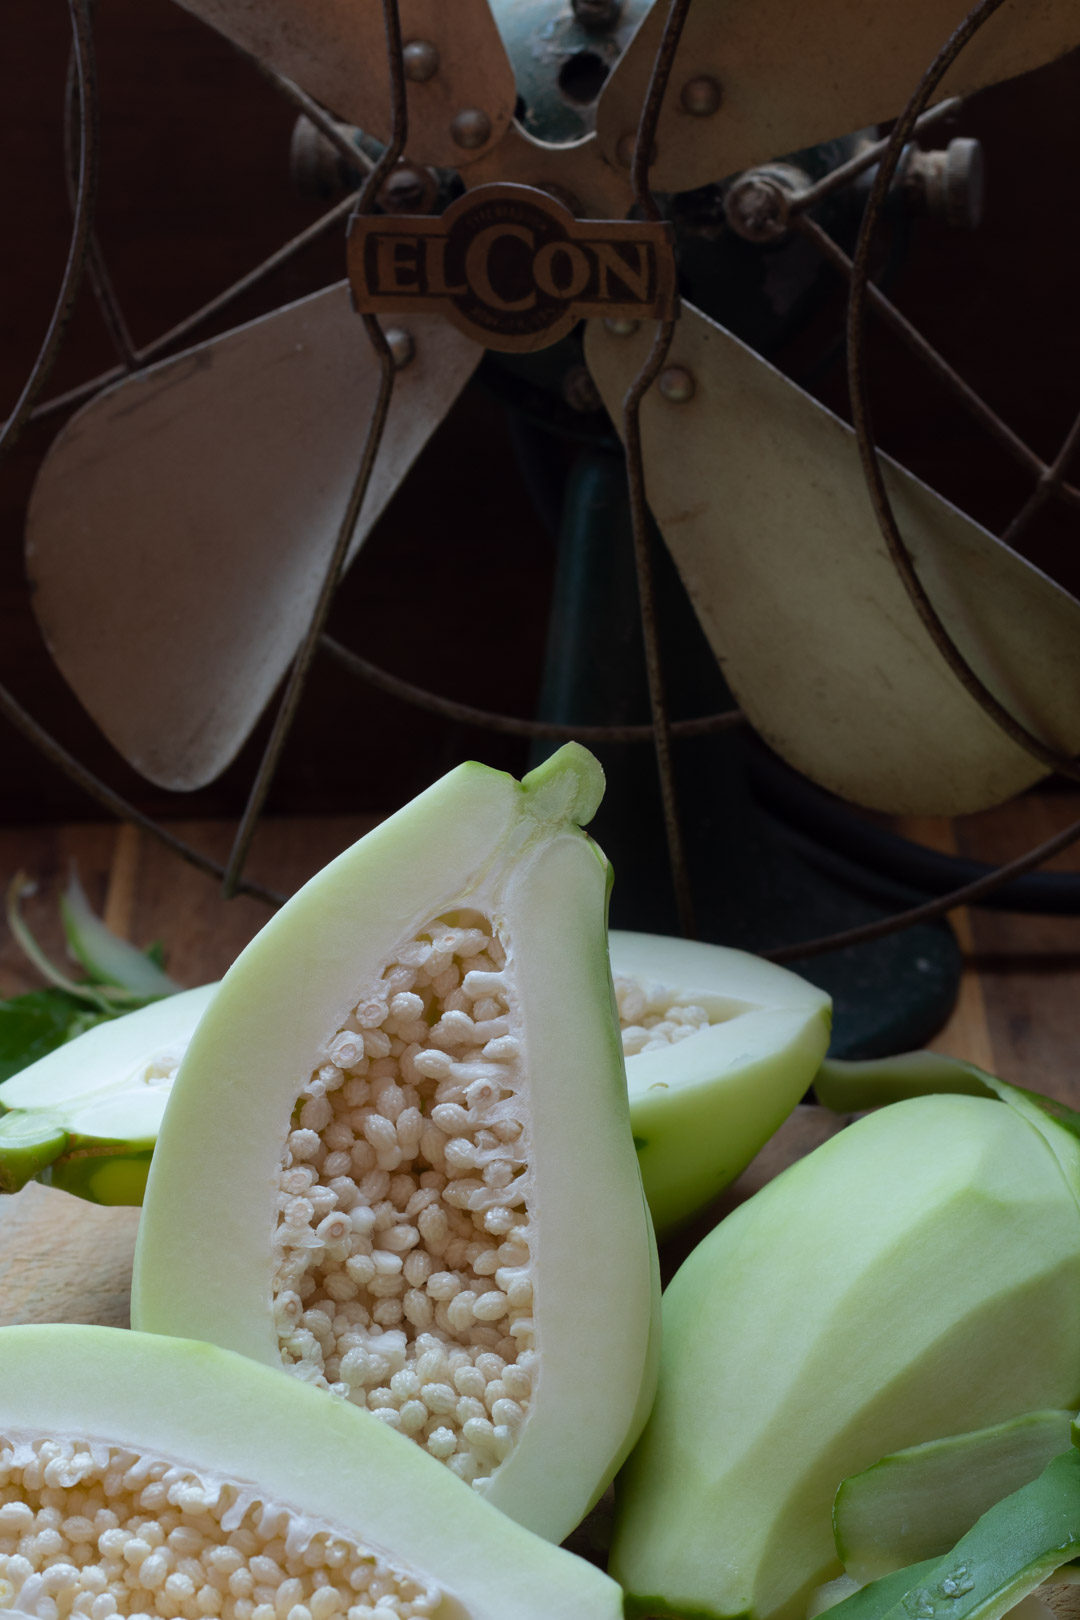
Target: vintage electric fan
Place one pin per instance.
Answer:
(944, 692)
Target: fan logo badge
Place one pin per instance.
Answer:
(512, 267)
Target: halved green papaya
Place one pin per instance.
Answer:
(85, 1117)
(914, 1504)
(915, 1276)
(153, 1477)
(720, 1046)
(397, 1159)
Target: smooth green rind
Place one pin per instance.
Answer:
(915, 1276)
(28, 1143)
(914, 1504)
(101, 1177)
(224, 1415)
(204, 1261)
(701, 1109)
(85, 1117)
(1012, 1549)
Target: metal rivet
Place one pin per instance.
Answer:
(677, 384)
(401, 346)
(421, 60)
(596, 15)
(701, 97)
(625, 149)
(471, 128)
(621, 325)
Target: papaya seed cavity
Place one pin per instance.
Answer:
(403, 1244)
(92, 1529)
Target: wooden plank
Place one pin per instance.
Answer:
(967, 1033)
(63, 1260)
(1027, 965)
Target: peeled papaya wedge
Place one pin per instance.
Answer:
(397, 1159)
(720, 1046)
(85, 1117)
(916, 1276)
(146, 1476)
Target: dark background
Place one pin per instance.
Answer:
(195, 190)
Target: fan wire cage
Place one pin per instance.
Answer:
(85, 262)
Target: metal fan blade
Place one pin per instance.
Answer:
(760, 496)
(756, 79)
(460, 82)
(182, 522)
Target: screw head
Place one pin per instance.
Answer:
(408, 190)
(421, 60)
(677, 385)
(757, 207)
(401, 346)
(621, 325)
(471, 128)
(701, 97)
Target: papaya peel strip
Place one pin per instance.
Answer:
(848, 1086)
(1010, 1551)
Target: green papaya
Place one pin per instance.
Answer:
(85, 1117)
(720, 1046)
(152, 1477)
(916, 1276)
(397, 1158)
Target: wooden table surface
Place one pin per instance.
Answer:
(1018, 1012)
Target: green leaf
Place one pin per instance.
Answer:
(1010, 1551)
(37, 1023)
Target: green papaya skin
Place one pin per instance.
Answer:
(1014, 1547)
(555, 1391)
(916, 1276)
(703, 1107)
(914, 1504)
(233, 1456)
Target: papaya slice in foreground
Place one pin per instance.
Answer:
(397, 1158)
(151, 1477)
